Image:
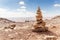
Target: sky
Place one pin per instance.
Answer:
(28, 8)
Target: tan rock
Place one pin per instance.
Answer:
(40, 24)
(50, 38)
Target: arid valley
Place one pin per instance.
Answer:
(10, 30)
(29, 19)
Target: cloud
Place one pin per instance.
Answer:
(22, 7)
(5, 13)
(56, 5)
(21, 10)
(2, 9)
(21, 3)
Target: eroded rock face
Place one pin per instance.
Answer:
(40, 24)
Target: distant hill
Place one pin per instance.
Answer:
(4, 20)
(22, 19)
(54, 21)
(56, 17)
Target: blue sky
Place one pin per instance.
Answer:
(27, 8)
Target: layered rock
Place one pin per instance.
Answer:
(40, 24)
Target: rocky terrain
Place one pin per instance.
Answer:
(10, 30)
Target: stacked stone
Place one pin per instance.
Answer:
(40, 24)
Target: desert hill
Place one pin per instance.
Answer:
(23, 30)
(4, 20)
(55, 21)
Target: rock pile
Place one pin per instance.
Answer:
(40, 24)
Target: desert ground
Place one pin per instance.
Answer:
(10, 30)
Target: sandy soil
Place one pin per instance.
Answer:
(24, 30)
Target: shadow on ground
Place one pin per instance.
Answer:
(50, 33)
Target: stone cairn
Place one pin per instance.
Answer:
(40, 24)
